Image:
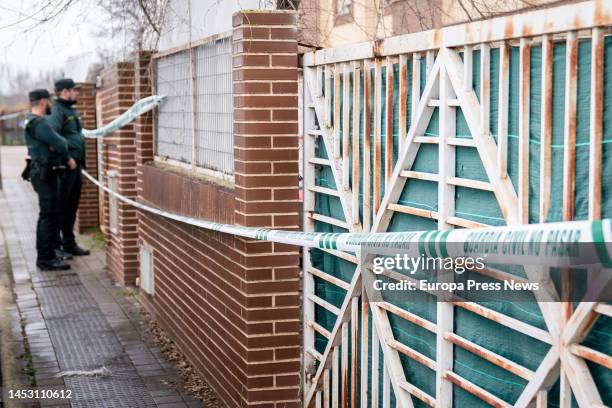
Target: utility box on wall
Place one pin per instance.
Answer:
(147, 277)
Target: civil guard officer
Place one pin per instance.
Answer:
(48, 153)
(64, 119)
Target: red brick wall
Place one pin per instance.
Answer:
(87, 216)
(116, 96)
(197, 296)
(266, 163)
(232, 304)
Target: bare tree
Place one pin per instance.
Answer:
(126, 25)
(19, 82)
(133, 24)
(287, 4)
(48, 12)
(319, 19)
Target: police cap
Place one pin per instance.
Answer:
(38, 94)
(66, 83)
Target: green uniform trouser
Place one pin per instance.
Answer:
(70, 194)
(48, 215)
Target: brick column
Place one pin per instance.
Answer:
(117, 95)
(143, 125)
(87, 216)
(266, 173)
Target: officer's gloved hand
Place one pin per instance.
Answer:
(25, 174)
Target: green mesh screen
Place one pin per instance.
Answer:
(480, 206)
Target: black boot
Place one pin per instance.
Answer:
(76, 250)
(55, 264)
(63, 255)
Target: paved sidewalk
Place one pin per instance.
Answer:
(78, 320)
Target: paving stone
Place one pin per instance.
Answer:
(168, 399)
(164, 393)
(80, 320)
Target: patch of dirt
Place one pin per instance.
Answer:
(191, 380)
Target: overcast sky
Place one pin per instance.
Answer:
(26, 44)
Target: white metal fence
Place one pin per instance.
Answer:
(194, 126)
(389, 129)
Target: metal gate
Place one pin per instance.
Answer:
(486, 123)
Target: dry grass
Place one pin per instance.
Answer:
(191, 380)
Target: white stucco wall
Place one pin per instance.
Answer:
(208, 17)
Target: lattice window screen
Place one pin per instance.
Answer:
(174, 138)
(214, 113)
(198, 83)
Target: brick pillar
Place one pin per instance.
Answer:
(143, 125)
(117, 95)
(87, 216)
(266, 188)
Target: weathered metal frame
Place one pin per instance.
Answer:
(448, 86)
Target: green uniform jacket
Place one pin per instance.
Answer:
(64, 119)
(44, 144)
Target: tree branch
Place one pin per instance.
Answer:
(148, 17)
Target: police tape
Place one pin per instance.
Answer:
(142, 106)
(13, 115)
(552, 244)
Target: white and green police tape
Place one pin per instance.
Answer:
(142, 106)
(12, 115)
(552, 244)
